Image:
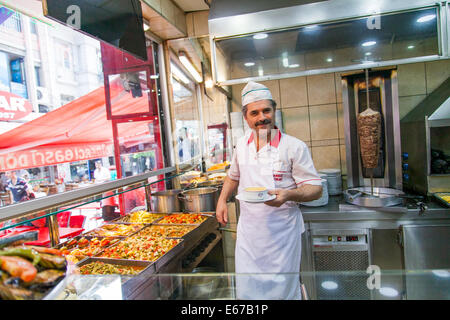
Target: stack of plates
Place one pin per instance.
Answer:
(334, 180)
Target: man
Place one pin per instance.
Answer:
(17, 187)
(268, 233)
(101, 174)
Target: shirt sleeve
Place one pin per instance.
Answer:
(233, 172)
(303, 170)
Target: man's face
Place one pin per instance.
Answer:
(97, 165)
(260, 115)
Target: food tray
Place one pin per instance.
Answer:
(92, 232)
(158, 262)
(77, 238)
(439, 195)
(122, 219)
(171, 225)
(174, 213)
(130, 282)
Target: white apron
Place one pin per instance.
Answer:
(268, 246)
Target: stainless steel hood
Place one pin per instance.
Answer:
(228, 18)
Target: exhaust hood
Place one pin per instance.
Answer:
(266, 39)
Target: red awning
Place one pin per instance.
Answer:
(76, 131)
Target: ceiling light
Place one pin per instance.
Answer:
(369, 43)
(249, 64)
(209, 84)
(368, 53)
(410, 47)
(146, 26)
(154, 76)
(441, 273)
(314, 26)
(295, 65)
(178, 73)
(329, 60)
(188, 65)
(388, 292)
(329, 285)
(426, 18)
(260, 36)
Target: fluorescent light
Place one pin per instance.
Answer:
(368, 53)
(369, 43)
(329, 285)
(260, 36)
(441, 273)
(314, 26)
(426, 18)
(329, 60)
(249, 64)
(209, 83)
(179, 74)
(388, 292)
(154, 76)
(188, 65)
(295, 65)
(410, 47)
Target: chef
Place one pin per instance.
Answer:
(268, 245)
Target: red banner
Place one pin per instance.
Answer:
(47, 156)
(13, 107)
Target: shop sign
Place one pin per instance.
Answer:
(47, 156)
(13, 107)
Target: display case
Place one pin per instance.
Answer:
(105, 239)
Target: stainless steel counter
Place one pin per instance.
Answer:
(338, 210)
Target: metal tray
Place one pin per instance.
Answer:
(130, 282)
(438, 196)
(120, 219)
(124, 236)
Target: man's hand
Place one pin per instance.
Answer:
(282, 197)
(222, 212)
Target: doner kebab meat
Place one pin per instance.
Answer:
(369, 132)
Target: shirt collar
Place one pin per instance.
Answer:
(274, 142)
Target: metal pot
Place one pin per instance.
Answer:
(199, 200)
(166, 201)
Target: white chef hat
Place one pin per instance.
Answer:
(254, 91)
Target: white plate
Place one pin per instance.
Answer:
(270, 197)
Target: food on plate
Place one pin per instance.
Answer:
(183, 218)
(255, 189)
(166, 231)
(145, 248)
(218, 166)
(87, 247)
(18, 267)
(28, 274)
(217, 177)
(115, 230)
(99, 267)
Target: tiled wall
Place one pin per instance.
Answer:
(312, 110)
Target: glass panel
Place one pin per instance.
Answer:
(129, 93)
(186, 116)
(386, 37)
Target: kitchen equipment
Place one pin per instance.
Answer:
(199, 199)
(166, 201)
(379, 91)
(426, 143)
(334, 181)
(340, 259)
(381, 197)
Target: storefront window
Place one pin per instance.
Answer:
(186, 116)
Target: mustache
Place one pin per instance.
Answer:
(266, 121)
